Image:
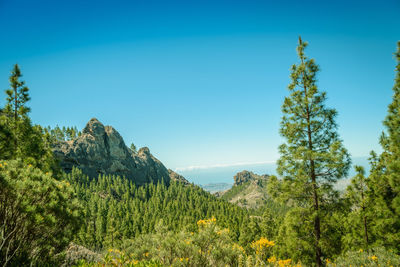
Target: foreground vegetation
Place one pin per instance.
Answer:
(51, 218)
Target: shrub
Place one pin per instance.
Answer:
(38, 215)
(373, 257)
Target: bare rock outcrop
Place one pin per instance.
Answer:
(177, 177)
(244, 176)
(101, 150)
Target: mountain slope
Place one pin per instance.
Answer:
(101, 150)
(249, 190)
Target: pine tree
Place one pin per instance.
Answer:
(358, 194)
(385, 174)
(19, 139)
(133, 148)
(313, 157)
(16, 109)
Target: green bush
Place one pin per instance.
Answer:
(38, 215)
(373, 257)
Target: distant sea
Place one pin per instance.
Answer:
(222, 177)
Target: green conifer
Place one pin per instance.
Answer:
(313, 156)
(385, 174)
(358, 195)
(16, 109)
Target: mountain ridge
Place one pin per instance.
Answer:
(249, 190)
(101, 150)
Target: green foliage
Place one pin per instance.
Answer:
(385, 176)
(374, 257)
(17, 96)
(6, 146)
(357, 221)
(75, 254)
(208, 245)
(249, 231)
(19, 139)
(38, 214)
(15, 110)
(313, 157)
(115, 209)
(63, 134)
(113, 222)
(235, 190)
(133, 148)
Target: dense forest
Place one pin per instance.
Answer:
(52, 218)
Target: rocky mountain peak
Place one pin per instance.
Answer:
(101, 150)
(94, 127)
(245, 176)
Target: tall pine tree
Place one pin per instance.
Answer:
(313, 156)
(15, 109)
(19, 139)
(385, 174)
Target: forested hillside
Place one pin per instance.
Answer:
(116, 209)
(83, 198)
(249, 190)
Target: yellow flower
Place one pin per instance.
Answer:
(361, 250)
(261, 244)
(374, 258)
(272, 259)
(206, 222)
(283, 263)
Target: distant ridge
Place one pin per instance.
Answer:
(249, 190)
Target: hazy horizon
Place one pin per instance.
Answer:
(224, 174)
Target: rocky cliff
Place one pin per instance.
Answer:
(177, 177)
(101, 150)
(245, 176)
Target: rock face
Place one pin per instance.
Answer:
(177, 177)
(244, 176)
(101, 150)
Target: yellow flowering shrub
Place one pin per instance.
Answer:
(262, 246)
(206, 222)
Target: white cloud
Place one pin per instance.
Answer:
(202, 167)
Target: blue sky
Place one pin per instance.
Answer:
(200, 82)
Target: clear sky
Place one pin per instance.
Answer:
(200, 82)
